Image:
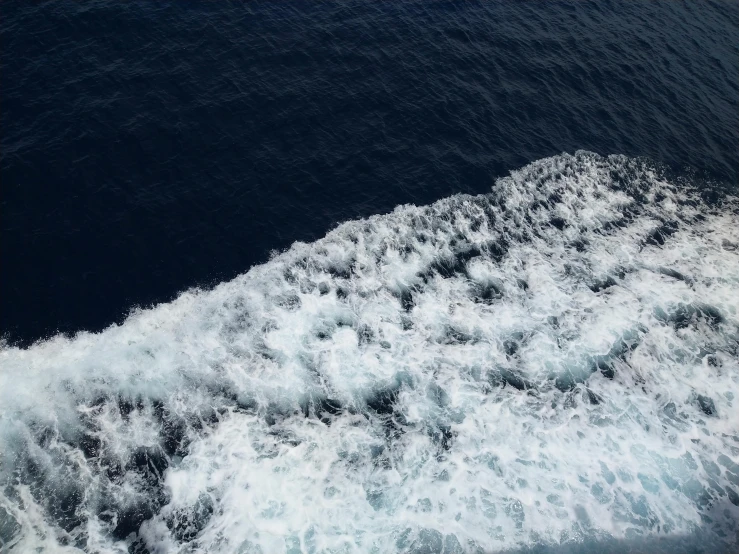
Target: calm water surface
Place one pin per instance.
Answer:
(148, 148)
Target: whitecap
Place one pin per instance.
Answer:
(554, 362)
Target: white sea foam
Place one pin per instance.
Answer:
(553, 362)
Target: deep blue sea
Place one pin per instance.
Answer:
(359, 276)
(149, 147)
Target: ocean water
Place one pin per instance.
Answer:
(350, 277)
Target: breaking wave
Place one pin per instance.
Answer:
(554, 362)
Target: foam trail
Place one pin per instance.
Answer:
(554, 362)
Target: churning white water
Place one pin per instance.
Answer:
(551, 363)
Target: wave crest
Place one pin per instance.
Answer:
(553, 361)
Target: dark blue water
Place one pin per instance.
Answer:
(151, 147)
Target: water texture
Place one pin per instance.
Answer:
(150, 147)
(318, 277)
(553, 362)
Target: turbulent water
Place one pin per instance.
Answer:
(554, 362)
